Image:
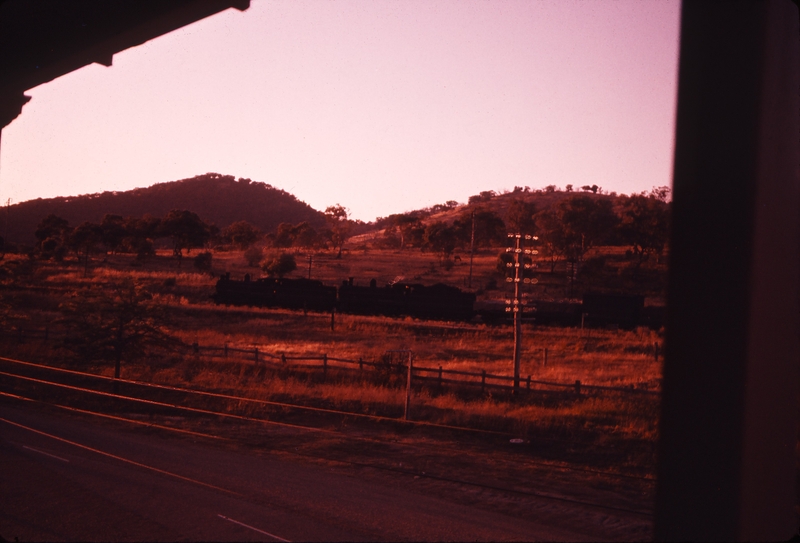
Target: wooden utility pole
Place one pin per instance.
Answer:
(516, 304)
(471, 250)
(407, 410)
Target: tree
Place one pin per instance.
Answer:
(644, 224)
(336, 216)
(52, 237)
(442, 239)
(187, 231)
(284, 235)
(304, 235)
(242, 234)
(113, 232)
(84, 241)
(489, 228)
(587, 221)
(520, 217)
(280, 265)
(203, 261)
(115, 323)
(406, 227)
(253, 256)
(552, 237)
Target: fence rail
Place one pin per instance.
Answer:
(480, 379)
(324, 362)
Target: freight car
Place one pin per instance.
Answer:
(272, 292)
(436, 302)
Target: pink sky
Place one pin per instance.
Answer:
(383, 106)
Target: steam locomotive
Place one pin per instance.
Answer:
(436, 302)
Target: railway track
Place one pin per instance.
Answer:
(325, 433)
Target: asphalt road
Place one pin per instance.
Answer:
(67, 478)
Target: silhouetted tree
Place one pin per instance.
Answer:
(490, 229)
(84, 240)
(187, 231)
(253, 256)
(242, 234)
(113, 232)
(304, 235)
(587, 222)
(520, 217)
(442, 239)
(284, 235)
(203, 261)
(552, 237)
(52, 236)
(115, 323)
(644, 224)
(336, 216)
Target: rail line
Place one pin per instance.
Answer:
(265, 421)
(253, 400)
(539, 495)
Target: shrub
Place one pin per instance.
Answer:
(280, 265)
(253, 256)
(203, 261)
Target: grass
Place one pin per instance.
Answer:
(625, 422)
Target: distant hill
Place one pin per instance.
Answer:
(218, 199)
(498, 202)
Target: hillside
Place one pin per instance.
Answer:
(218, 199)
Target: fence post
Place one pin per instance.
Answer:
(577, 387)
(333, 318)
(324, 366)
(407, 411)
(483, 380)
(360, 364)
(440, 376)
(283, 358)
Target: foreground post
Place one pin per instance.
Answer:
(407, 411)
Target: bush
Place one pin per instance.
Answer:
(280, 265)
(203, 261)
(253, 256)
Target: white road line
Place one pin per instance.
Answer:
(273, 536)
(44, 453)
(120, 458)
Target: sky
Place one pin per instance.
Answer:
(382, 106)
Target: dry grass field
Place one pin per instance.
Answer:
(32, 292)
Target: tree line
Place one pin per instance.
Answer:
(566, 230)
(183, 231)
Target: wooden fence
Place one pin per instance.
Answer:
(438, 376)
(419, 374)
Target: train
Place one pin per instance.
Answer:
(436, 302)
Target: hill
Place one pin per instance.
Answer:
(218, 199)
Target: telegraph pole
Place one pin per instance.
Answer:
(516, 304)
(471, 250)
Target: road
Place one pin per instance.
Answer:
(65, 477)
